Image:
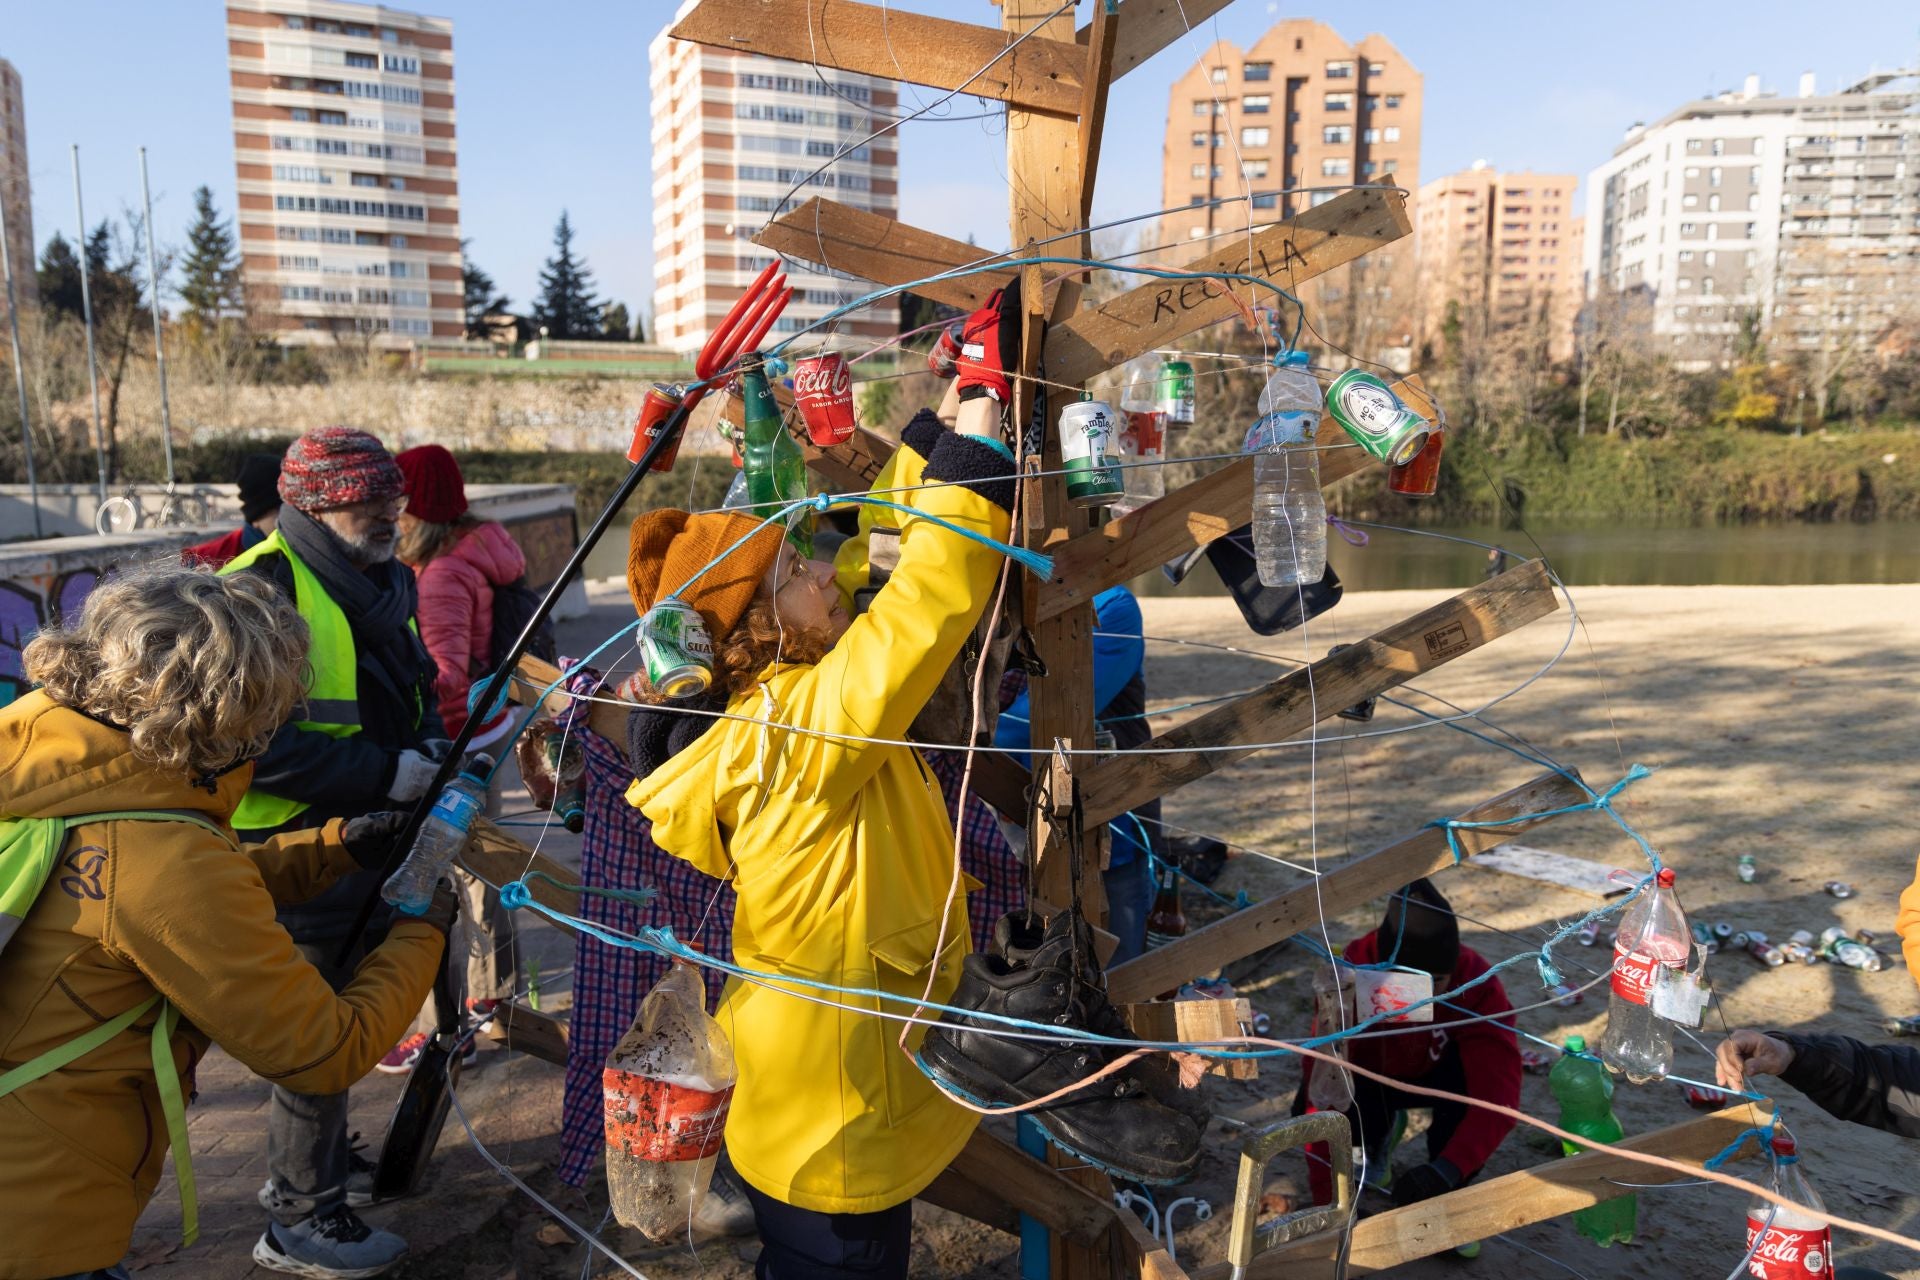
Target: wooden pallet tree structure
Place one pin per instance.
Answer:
(1055, 81)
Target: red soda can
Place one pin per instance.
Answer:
(659, 405)
(1419, 477)
(945, 355)
(823, 388)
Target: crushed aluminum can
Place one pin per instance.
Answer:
(1722, 930)
(1746, 869)
(1535, 1063)
(1704, 939)
(1565, 996)
(1765, 952)
(1907, 1026)
(1865, 937)
(1705, 1099)
(1589, 933)
(1838, 888)
(1800, 953)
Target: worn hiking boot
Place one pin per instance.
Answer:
(1114, 1123)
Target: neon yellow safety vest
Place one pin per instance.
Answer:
(333, 699)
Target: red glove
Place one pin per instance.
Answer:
(990, 346)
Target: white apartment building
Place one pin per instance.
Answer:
(1752, 203)
(349, 205)
(737, 139)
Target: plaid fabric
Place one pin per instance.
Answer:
(617, 852)
(984, 852)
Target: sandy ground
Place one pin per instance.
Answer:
(1783, 722)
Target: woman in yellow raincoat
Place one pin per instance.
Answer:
(839, 849)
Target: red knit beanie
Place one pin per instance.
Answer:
(435, 492)
(337, 467)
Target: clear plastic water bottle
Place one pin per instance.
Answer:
(1638, 1042)
(1798, 1246)
(1585, 1094)
(737, 495)
(442, 836)
(1331, 1086)
(1289, 513)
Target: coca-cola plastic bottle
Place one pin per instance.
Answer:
(1637, 1042)
(1798, 1246)
(667, 1085)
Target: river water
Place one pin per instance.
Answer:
(1586, 553)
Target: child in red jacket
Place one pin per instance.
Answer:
(1478, 1059)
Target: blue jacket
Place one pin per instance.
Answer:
(1119, 655)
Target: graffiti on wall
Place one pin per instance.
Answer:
(26, 605)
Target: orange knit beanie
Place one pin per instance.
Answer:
(668, 547)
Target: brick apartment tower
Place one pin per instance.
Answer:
(732, 135)
(343, 140)
(16, 188)
(1500, 247)
(1287, 123)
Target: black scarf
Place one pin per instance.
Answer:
(657, 734)
(378, 600)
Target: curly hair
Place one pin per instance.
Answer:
(199, 670)
(758, 641)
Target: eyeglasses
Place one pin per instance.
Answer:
(394, 504)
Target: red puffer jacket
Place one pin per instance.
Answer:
(456, 611)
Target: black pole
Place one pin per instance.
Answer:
(497, 683)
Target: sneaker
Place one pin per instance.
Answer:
(334, 1246)
(1116, 1123)
(401, 1057)
(1380, 1163)
(482, 1010)
(360, 1171)
(725, 1210)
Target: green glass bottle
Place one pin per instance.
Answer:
(775, 469)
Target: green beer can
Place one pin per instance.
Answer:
(1087, 453)
(675, 650)
(1173, 395)
(1376, 418)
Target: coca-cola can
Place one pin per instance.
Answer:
(823, 388)
(659, 405)
(944, 358)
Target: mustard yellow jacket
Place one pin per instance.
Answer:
(138, 907)
(842, 858)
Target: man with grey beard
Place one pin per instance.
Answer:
(367, 738)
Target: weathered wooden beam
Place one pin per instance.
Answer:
(1041, 75)
(1304, 697)
(1287, 253)
(1033, 1188)
(604, 718)
(1099, 42)
(1190, 517)
(1141, 1253)
(529, 1031)
(1148, 26)
(497, 857)
(1285, 914)
(884, 250)
(1485, 1209)
(962, 1196)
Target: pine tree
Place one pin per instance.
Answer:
(613, 322)
(640, 326)
(478, 294)
(59, 277)
(566, 307)
(210, 273)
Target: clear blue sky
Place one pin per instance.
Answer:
(553, 104)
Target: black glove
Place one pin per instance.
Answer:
(435, 749)
(370, 839)
(1424, 1182)
(441, 911)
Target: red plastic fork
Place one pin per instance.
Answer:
(741, 329)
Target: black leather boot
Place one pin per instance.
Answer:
(1114, 1123)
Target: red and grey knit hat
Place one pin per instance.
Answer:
(337, 467)
(435, 491)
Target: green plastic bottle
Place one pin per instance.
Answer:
(1584, 1091)
(775, 470)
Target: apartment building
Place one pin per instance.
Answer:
(16, 189)
(343, 139)
(737, 140)
(1503, 252)
(1802, 212)
(1259, 134)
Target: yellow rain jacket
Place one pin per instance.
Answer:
(842, 857)
(138, 907)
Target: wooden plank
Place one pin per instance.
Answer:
(1099, 43)
(1140, 1251)
(497, 857)
(850, 467)
(1197, 1022)
(1352, 883)
(1303, 697)
(1188, 518)
(606, 719)
(538, 1035)
(1485, 1209)
(884, 250)
(1034, 1189)
(1287, 253)
(967, 1198)
(1148, 26)
(1043, 74)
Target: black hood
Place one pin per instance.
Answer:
(1421, 925)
